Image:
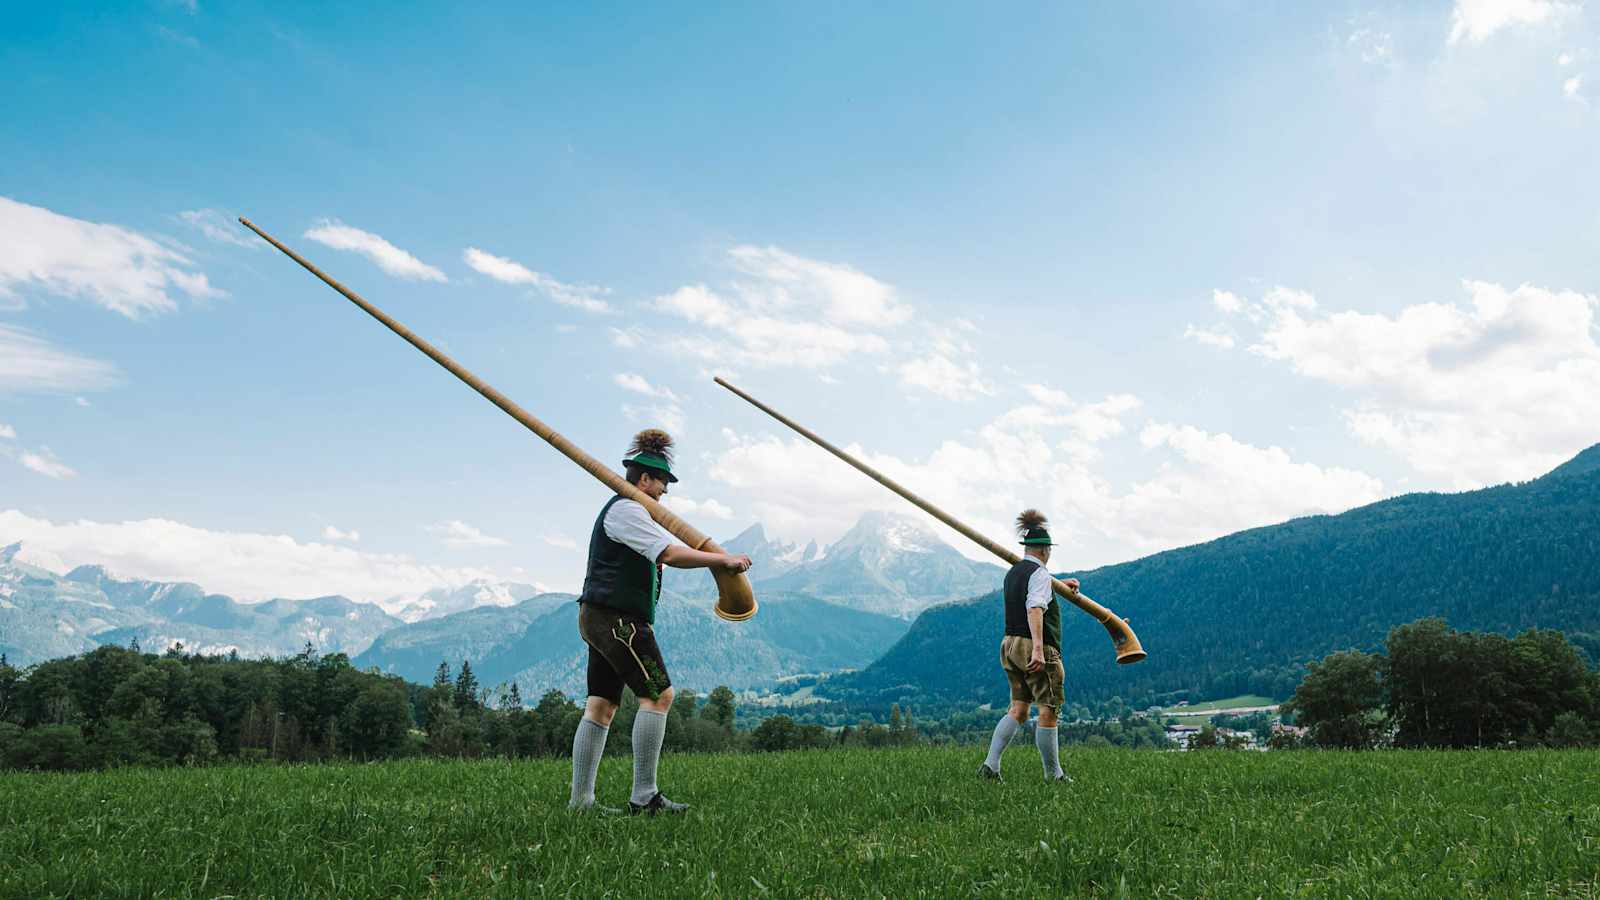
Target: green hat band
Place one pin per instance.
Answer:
(651, 460)
(1039, 540)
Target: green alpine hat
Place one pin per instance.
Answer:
(652, 461)
(1030, 524)
(1037, 536)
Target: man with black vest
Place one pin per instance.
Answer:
(1030, 652)
(616, 615)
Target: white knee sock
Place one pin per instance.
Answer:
(1049, 751)
(1002, 736)
(588, 745)
(649, 729)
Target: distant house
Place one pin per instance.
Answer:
(1182, 734)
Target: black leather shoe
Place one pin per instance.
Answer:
(658, 804)
(988, 774)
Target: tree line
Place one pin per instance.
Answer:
(1434, 686)
(118, 706)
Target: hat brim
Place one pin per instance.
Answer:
(654, 469)
(1035, 542)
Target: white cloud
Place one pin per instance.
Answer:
(245, 565)
(637, 383)
(218, 227)
(667, 415)
(1226, 301)
(45, 463)
(1211, 337)
(1503, 389)
(1218, 485)
(386, 256)
(1206, 485)
(788, 312)
(579, 296)
(499, 268)
(1571, 87)
(709, 509)
(938, 375)
(626, 339)
(459, 534)
(1049, 396)
(7, 432)
(333, 534)
(81, 401)
(119, 269)
(798, 489)
(30, 364)
(1088, 424)
(745, 337)
(1564, 59)
(843, 294)
(947, 341)
(1475, 20)
(561, 541)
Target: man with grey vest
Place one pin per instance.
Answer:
(1030, 652)
(615, 617)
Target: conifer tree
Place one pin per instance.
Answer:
(466, 688)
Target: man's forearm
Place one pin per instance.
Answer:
(680, 557)
(1036, 625)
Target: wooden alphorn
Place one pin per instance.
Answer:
(735, 599)
(1122, 637)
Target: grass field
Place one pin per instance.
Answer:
(912, 822)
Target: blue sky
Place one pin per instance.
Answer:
(1165, 273)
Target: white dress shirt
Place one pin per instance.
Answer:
(628, 522)
(1038, 583)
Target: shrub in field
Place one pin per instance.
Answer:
(1438, 687)
(1341, 701)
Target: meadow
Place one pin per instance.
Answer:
(847, 823)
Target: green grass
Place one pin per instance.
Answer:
(1244, 701)
(912, 822)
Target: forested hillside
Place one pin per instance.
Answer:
(1244, 613)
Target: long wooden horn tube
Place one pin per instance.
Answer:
(1126, 642)
(735, 599)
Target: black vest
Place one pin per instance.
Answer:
(1015, 593)
(619, 577)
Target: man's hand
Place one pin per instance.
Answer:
(736, 564)
(1072, 583)
(1036, 661)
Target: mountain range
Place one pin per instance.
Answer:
(822, 610)
(44, 615)
(1244, 613)
(888, 563)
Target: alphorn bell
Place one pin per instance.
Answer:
(735, 600)
(1122, 637)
